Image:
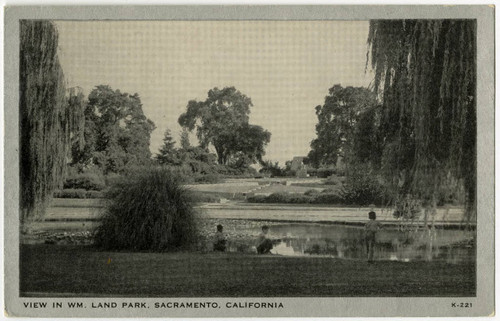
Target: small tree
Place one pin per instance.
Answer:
(168, 153)
(147, 210)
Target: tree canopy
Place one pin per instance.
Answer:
(425, 73)
(117, 133)
(337, 120)
(222, 122)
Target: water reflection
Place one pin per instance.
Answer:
(347, 242)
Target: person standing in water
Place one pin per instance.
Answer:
(371, 228)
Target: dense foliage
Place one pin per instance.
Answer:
(117, 133)
(195, 164)
(78, 193)
(336, 127)
(363, 187)
(88, 181)
(49, 121)
(316, 197)
(222, 122)
(273, 169)
(425, 72)
(148, 210)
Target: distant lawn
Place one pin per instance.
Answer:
(334, 185)
(315, 185)
(80, 270)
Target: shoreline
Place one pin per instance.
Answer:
(88, 210)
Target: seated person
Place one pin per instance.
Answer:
(264, 243)
(220, 240)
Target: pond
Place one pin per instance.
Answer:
(347, 242)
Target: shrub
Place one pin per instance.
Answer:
(94, 194)
(328, 191)
(278, 198)
(362, 188)
(183, 172)
(112, 178)
(299, 199)
(330, 198)
(313, 172)
(148, 210)
(77, 193)
(70, 193)
(407, 209)
(86, 181)
(194, 171)
(325, 172)
(272, 169)
(243, 172)
(311, 192)
(292, 198)
(286, 198)
(257, 199)
(332, 180)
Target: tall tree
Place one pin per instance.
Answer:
(117, 131)
(222, 121)
(81, 149)
(185, 144)
(425, 71)
(48, 121)
(336, 126)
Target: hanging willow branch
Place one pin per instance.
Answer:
(425, 72)
(47, 121)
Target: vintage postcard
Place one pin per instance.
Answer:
(249, 161)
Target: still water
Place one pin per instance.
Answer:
(347, 242)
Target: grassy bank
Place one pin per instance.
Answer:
(79, 269)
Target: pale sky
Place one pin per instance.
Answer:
(285, 67)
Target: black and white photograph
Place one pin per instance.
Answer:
(217, 165)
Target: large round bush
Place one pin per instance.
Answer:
(362, 188)
(147, 210)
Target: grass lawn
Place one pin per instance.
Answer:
(79, 270)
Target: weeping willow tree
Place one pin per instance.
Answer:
(425, 74)
(48, 123)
